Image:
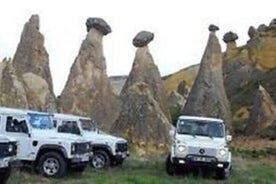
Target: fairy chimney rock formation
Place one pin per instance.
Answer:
(31, 63)
(262, 118)
(207, 96)
(144, 116)
(88, 90)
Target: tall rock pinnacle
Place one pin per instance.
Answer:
(31, 62)
(144, 117)
(207, 96)
(88, 90)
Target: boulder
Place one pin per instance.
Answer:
(207, 96)
(99, 24)
(142, 39)
(88, 90)
(213, 28)
(230, 37)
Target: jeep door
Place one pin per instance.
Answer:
(16, 126)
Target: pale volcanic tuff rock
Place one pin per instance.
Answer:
(12, 91)
(144, 117)
(31, 63)
(88, 90)
(207, 96)
(262, 120)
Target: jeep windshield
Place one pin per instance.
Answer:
(40, 121)
(201, 128)
(88, 125)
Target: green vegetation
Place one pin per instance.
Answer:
(254, 153)
(175, 113)
(137, 172)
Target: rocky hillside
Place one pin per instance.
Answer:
(117, 83)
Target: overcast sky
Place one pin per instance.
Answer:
(180, 28)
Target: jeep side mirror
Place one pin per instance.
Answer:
(172, 133)
(229, 138)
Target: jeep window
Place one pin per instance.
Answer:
(201, 128)
(69, 127)
(88, 125)
(16, 125)
(40, 121)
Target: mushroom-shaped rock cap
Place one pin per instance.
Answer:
(252, 32)
(272, 23)
(262, 28)
(230, 37)
(142, 39)
(99, 24)
(213, 28)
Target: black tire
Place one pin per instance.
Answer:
(170, 168)
(221, 174)
(100, 160)
(118, 162)
(59, 170)
(4, 175)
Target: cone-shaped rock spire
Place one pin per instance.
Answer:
(31, 62)
(207, 96)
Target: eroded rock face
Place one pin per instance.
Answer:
(12, 91)
(31, 63)
(144, 116)
(88, 91)
(262, 119)
(142, 121)
(207, 96)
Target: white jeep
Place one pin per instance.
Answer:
(107, 149)
(200, 143)
(40, 146)
(8, 148)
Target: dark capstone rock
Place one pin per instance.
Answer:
(230, 37)
(272, 23)
(142, 39)
(262, 28)
(99, 24)
(252, 32)
(213, 28)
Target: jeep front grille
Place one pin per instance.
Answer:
(121, 147)
(4, 149)
(202, 151)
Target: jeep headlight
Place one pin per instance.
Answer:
(10, 148)
(222, 153)
(73, 148)
(181, 148)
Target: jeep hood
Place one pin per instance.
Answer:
(102, 137)
(5, 139)
(201, 141)
(52, 134)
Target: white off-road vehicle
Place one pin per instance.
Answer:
(108, 150)
(200, 143)
(40, 146)
(8, 148)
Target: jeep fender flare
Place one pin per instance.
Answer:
(52, 147)
(102, 147)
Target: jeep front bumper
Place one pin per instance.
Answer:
(195, 161)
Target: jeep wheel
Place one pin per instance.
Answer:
(223, 174)
(170, 168)
(100, 159)
(4, 175)
(52, 164)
